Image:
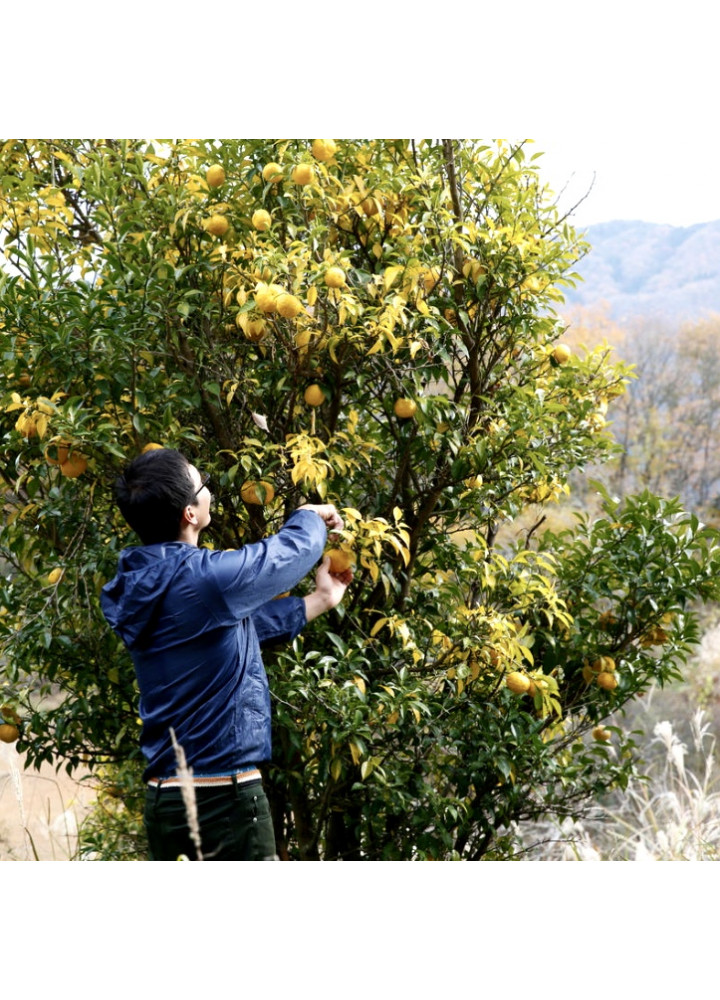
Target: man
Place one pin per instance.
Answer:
(194, 621)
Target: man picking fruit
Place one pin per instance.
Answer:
(194, 621)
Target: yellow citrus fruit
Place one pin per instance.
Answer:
(405, 408)
(266, 297)
(272, 173)
(74, 465)
(217, 225)
(314, 396)
(561, 353)
(601, 734)
(55, 575)
(302, 173)
(607, 681)
(288, 306)
(261, 220)
(518, 683)
(215, 176)
(324, 149)
(340, 560)
(335, 277)
(152, 446)
(257, 493)
(8, 733)
(61, 451)
(603, 663)
(370, 206)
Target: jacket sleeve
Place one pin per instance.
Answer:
(245, 580)
(279, 620)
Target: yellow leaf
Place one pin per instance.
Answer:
(391, 275)
(17, 403)
(376, 347)
(336, 768)
(359, 684)
(416, 713)
(355, 752)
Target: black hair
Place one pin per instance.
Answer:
(153, 492)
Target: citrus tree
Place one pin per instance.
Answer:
(369, 323)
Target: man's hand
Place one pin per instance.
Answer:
(328, 512)
(329, 590)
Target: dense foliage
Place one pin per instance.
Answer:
(365, 322)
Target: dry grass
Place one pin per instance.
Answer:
(40, 811)
(673, 814)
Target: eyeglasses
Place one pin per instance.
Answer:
(205, 481)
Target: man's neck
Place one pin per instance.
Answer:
(189, 535)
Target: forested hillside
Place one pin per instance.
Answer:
(644, 269)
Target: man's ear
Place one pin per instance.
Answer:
(189, 516)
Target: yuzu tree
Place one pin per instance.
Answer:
(142, 303)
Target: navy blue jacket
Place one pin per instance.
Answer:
(194, 620)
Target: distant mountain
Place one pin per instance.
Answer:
(644, 269)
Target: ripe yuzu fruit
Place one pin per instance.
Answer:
(313, 395)
(517, 683)
(217, 225)
(215, 175)
(405, 408)
(257, 493)
(261, 220)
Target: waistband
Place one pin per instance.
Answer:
(207, 780)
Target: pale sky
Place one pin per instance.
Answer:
(627, 90)
(661, 181)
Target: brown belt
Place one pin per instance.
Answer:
(209, 781)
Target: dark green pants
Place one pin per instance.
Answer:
(235, 824)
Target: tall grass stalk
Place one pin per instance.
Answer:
(17, 786)
(187, 788)
(672, 814)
